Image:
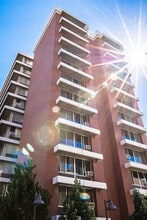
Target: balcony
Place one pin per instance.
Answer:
(120, 92)
(24, 63)
(25, 73)
(9, 98)
(72, 87)
(9, 140)
(73, 27)
(86, 183)
(77, 151)
(70, 70)
(17, 96)
(74, 20)
(131, 126)
(10, 123)
(8, 159)
(72, 58)
(75, 106)
(141, 190)
(76, 127)
(134, 144)
(75, 37)
(7, 109)
(126, 109)
(136, 166)
(126, 82)
(70, 45)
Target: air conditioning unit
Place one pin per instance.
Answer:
(91, 205)
(144, 181)
(89, 173)
(88, 147)
(86, 123)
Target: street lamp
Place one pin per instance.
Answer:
(38, 201)
(109, 207)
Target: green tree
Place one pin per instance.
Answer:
(17, 202)
(140, 204)
(74, 206)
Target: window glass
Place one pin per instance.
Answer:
(78, 140)
(70, 164)
(70, 140)
(79, 167)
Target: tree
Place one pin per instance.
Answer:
(17, 202)
(140, 204)
(74, 206)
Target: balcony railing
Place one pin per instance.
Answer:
(73, 150)
(66, 43)
(124, 93)
(133, 143)
(127, 109)
(72, 86)
(73, 58)
(131, 126)
(83, 129)
(86, 183)
(73, 36)
(135, 165)
(73, 27)
(76, 106)
(71, 69)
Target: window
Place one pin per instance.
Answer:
(22, 91)
(135, 156)
(126, 117)
(129, 135)
(7, 168)
(74, 165)
(73, 139)
(77, 118)
(66, 164)
(24, 80)
(65, 191)
(139, 178)
(66, 94)
(10, 150)
(17, 117)
(20, 104)
(78, 140)
(74, 116)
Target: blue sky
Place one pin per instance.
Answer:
(22, 22)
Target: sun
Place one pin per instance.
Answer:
(136, 58)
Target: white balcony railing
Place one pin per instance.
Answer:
(121, 92)
(67, 67)
(134, 144)
(86, 183)
(66, 42)
(72, 25)
(64, 83)
(131, 126)
(77, 59)
(77, 127)
(76, 106)
(127, 109)
(135, 165)
(70, 34)
(77, 151)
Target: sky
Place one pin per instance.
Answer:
(23, 21)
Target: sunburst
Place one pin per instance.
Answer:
(134, 54)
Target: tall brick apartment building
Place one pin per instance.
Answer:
(82, 118)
